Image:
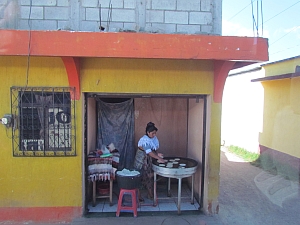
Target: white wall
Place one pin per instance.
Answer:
(242, 110)
(195, 140)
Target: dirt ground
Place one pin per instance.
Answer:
(252, 196)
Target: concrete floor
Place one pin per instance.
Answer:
(165, 203)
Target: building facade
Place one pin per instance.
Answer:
(278, 140)
(260, 114)
(57, 58)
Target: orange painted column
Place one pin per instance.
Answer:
(221, 70)
(72, 65)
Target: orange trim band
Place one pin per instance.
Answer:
(132, 45)
(40, 214)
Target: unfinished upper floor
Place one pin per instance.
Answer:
(150, 16)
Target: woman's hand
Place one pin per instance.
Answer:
(161, 161)
(160, 155)
(156, 156)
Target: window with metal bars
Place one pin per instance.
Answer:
(44, 121)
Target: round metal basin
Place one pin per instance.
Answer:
(181, 167)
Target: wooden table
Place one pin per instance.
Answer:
(106, 175)
(95, 196)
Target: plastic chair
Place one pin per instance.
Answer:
(133, 207)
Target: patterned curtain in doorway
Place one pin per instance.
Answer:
(116, 125)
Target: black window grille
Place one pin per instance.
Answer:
(44, 121)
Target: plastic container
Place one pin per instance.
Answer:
(103, 189)
(129, 182)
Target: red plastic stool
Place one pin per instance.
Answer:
(133, 206)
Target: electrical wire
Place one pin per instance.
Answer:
(284, 35)
(29, 44)
(284, 49)
(271, 44)
(255, 24)
(109, 15)
(281, 12)
(99, 5)
(239, 12)
(253, 19)
(257, 17)
(287, 32)
(262, 18)
(28, 61)
(267, 19)
(7, 135)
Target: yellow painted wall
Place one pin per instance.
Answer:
(57, 181)
(163, 77)
(281, 120)
(36, 181)
(281, 67)
(146, 76)
(213, 156)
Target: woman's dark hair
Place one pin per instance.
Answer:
(150, 127)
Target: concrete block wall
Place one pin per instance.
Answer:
(155, 16)
(44, 14)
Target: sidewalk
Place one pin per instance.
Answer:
(126, 218)
(251, 196)
(154, 219)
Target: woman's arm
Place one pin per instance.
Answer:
(160, 155)
(156, 156)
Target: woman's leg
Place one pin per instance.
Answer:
(140, 196)
(139, 162)
(149, 183)
(150, 194)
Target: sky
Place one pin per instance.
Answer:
(277, 20)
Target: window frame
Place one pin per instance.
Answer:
(52, 120)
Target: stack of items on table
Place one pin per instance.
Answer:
(103, 163)
(115, 155)
(101, 169)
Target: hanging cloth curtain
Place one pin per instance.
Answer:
(116, 125)
(43, 101)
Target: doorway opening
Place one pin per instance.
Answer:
(181, 123)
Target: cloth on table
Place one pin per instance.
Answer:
(101, 169)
